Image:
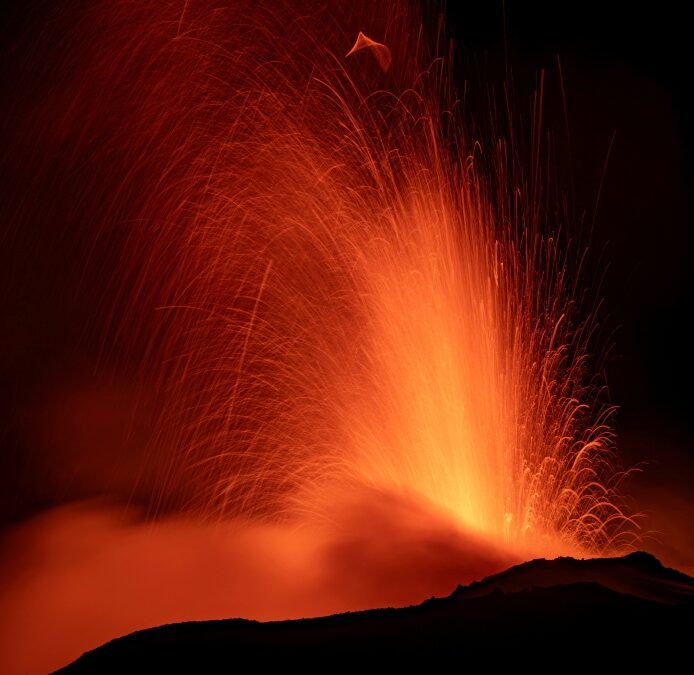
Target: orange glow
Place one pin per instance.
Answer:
(79, 576)
(359, 339)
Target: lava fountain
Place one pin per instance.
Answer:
(337, 288)
(330, 288)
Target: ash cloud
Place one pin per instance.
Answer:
(82, 574)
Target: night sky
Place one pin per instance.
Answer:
(625, 73)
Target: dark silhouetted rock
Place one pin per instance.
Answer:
(555, 614)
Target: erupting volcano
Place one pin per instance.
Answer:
(336, 288)
(348, 310)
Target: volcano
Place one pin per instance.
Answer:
(628, 607)
(309, 308)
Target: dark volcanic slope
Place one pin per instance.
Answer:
(586, 610)
(637, 574)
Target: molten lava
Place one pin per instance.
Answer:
(355, 320)
(337, 290)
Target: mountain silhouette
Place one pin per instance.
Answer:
(590, 612)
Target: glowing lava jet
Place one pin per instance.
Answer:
(354, 315)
